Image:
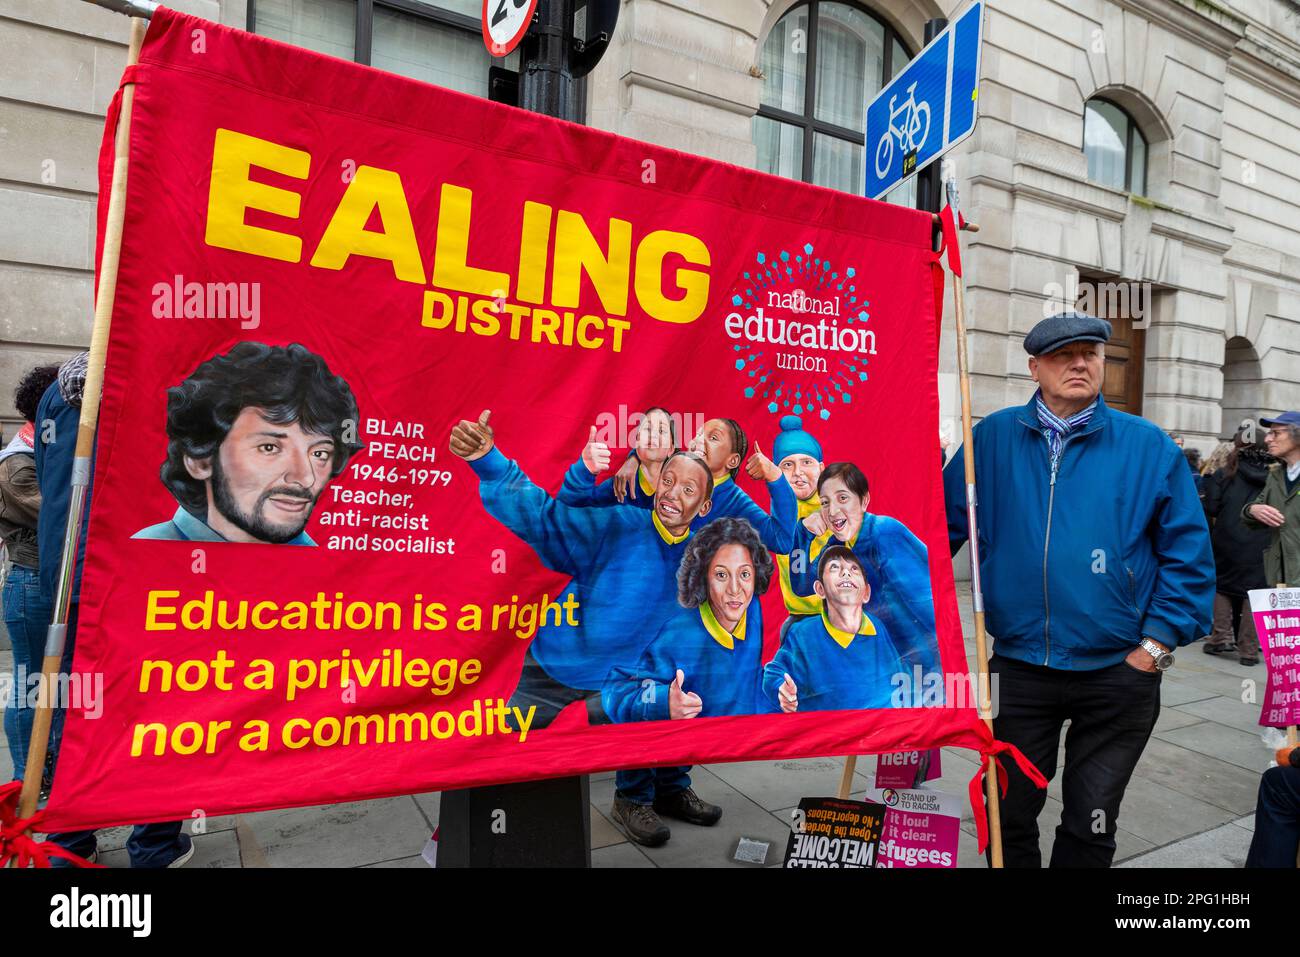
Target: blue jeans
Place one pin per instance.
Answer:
(644, 785)
(27, 616)
(150, 845)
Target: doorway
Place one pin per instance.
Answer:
(1123, 304)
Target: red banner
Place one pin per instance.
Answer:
(377, 353)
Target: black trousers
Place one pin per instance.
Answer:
(1277, 820)
(1111, 713)
(538, 689)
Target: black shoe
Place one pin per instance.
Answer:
(641, 823)
(1249, 661)
(687, 806)
(1212, 649)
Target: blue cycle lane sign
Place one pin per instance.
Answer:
(929, 107)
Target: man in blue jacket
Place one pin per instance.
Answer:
(1096, 564)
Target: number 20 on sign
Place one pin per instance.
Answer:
(504, 24)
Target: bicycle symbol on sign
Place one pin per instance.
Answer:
(911, 132)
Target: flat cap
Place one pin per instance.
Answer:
(1064, 328)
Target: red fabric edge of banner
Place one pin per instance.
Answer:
(16, 846)
(950, 241)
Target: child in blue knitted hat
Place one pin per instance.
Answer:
(799, 456)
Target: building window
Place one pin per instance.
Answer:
(437, 43)
(1115, 147)
(822, 63)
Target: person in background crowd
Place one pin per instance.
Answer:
(26, 613)
(150, 845)
(1276, 840)
(1238, 549)
(1102, 503)
(1277, 507)
(1193, 457)
(1218, 458)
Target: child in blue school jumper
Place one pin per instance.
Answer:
(623, 563)
(841, 659)
(723, 445)
(895, 561)
(656, 439)
(706, 659)
(798, 455)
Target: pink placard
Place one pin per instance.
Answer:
(922, 828)
(899, 769)
(1277, 621)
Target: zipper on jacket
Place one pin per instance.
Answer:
(1047, 537)
(1047, 541)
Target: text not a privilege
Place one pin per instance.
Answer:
(390, 668)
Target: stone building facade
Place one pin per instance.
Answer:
(1200, 225)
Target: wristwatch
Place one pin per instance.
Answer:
(1164, 659)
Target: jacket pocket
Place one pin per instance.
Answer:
(1110, 608)
(1132, 594)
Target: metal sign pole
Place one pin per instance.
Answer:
(543, 823)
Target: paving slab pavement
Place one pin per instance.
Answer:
(1190, 803)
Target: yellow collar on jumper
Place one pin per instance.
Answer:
(824, 539)
(795, 604)
(666, 535)
(727, 639)
(644, 481)
(810, 505)
(718, 481)
(844, 638)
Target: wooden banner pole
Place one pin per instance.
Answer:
(846, 779)
(977, 593)
(851, 762)
(57, 634)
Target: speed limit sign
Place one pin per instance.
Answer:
(505, 22)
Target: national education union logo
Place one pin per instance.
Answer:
(802, 331)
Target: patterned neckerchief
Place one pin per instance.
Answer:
(1055, 428)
